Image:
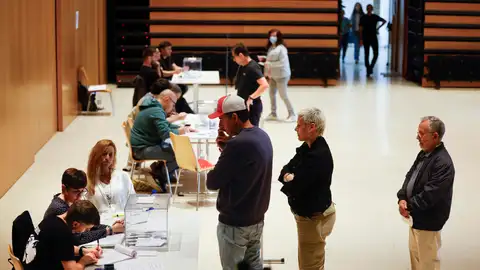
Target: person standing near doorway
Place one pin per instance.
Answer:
(357, 14)
(368, 34)
(344, 33)
(277, 70)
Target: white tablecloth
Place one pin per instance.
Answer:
(183, 254)
(205, 77)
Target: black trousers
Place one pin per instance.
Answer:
(344, 45)
(256, 112)
(367, 44)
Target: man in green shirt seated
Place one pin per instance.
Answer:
(150, 135)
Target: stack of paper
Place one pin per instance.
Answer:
(108, 242)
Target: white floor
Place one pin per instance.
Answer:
(371, 129)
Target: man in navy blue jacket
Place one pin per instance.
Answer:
(243, 176)
(426, 194)
(306, 181)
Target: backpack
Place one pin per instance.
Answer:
(24, 238)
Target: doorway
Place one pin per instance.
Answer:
(390, 38)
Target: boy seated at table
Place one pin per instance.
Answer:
(55, 248)
(73, 186)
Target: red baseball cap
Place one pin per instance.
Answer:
(228, 104)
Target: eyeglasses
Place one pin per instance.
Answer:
(174, 102)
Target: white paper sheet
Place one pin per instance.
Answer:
(99, 87)
(138, 217)
(409, 221)
(150, 242)
(145, 200)
(118, 254)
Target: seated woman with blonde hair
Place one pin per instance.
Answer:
(107, 188)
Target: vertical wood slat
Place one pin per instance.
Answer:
(27, 84)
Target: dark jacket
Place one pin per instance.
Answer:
(243, 175)
(431, 198)
(151, 126)
(309, 191)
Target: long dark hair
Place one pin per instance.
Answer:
(354, 11)
(279, 38)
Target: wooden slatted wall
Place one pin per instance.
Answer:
(193, 25)
(451, 29)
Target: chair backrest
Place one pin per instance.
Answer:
(17, 264)
(139, 90)
(184, 154)
(127, 128)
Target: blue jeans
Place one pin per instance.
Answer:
(356, 42)
(237, 244)
(161, 152)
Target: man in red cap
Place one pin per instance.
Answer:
(243, 176)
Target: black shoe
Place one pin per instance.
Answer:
(128, 168)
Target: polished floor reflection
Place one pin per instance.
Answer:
(371, 129)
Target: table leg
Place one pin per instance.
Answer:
(196, 97)
(199, 149)
(207, 150)
(111, 101)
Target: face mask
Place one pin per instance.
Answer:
(273, 39)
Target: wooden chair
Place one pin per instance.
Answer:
(127, 127)
(187, 160)
(101, 88)
(14, 261)
(93, 89)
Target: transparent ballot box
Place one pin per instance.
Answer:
(192, 67)
(146, 222)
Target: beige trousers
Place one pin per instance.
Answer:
(424, 246)
(312, 233)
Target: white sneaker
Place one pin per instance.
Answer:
(291, 118)
(271, 117)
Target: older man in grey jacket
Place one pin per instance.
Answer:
(426, 194)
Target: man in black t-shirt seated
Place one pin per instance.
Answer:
(147, 72)
(249, 82)
(55, 247)
(169, 68)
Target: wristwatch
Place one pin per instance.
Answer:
(80, 251)
(109, 230)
